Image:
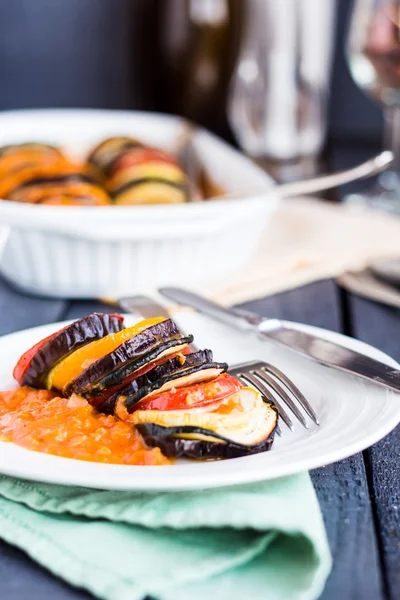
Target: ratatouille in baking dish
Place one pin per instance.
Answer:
(118, 171)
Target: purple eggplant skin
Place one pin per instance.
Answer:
(81, 332)
(131, 355)
(136, 182)
(127, 369)
(177, 363)
(72, 177)
(172, 446)
(170, 370)
(104, 158)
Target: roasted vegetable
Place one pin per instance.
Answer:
(206, 394)
(151, 344)
(142, 163)
(72, 365)
(182, 402)
(105, 153)
(120, 170)
(143, 175)
(150, 191)
(26, 146)
(68, 191)
(17, 158)
(180, 371)
(42, 174)
(243, 417)
(33, 366)
(187, 441)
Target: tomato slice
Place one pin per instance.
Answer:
(98, 401)
(140, 155)
(193, 396)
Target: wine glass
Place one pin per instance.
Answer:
(373, 51)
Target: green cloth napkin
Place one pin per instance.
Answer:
(260, 541)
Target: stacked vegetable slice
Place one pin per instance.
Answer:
(40, 174)
(181, 401)
(120, 171)
(138, 174)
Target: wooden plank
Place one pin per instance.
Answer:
(342, 488)
(23, 579)
(380, 326)
(18, 311)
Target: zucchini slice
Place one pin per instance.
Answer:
(110, 370)
(242, 417)
(193, 442)
(66, 192)
(150, 191)
(177, 372)
(105, 153)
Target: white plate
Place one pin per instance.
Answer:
(353, 415)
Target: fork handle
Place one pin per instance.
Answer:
(242, 319)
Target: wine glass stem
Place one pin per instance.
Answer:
(392, 137)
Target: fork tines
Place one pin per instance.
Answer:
(277, 388)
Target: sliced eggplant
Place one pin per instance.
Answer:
(40, 175)
(56, 179)
(199, 443)
(110, 370)
(85, 330)
(150, 191)
(242, 417)
(177, 372)
(69, 192)
(105, 153)
(12, 148)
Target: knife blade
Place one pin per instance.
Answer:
(315, 347)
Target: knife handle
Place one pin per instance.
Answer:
(234, 317)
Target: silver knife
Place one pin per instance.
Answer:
(326, 353)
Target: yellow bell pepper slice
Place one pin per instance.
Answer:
(73, 364)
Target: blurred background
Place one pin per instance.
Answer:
(146, 54)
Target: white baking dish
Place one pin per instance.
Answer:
(84, 252)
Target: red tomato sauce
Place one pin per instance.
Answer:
(69, 427)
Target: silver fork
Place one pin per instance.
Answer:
(273, 385)
(277, 388)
